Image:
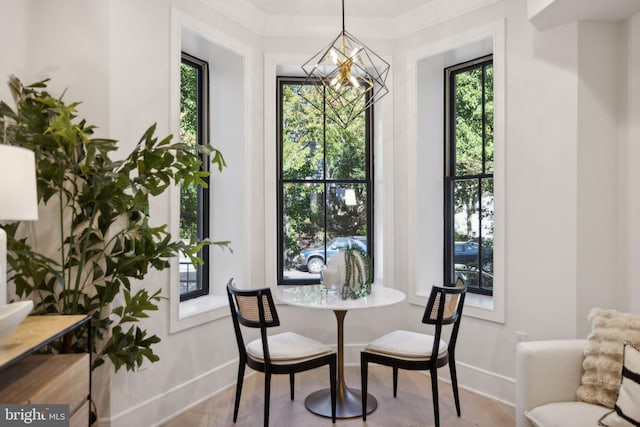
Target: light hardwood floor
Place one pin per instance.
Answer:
(412, 408)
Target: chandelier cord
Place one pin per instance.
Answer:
(343, 16)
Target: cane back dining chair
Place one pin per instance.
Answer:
(283, 353)
(418, 351)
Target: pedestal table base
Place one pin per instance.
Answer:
(348, 403)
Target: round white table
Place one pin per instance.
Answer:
(348, 401)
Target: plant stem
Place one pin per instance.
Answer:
(83, 259)
(64, 271)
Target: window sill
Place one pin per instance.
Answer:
(202, 304)
(479, 301)
(199, 310)
(475, 305)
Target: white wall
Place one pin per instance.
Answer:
(541, 178)
(629, 159)
(13, 23)
(540, 194)
(597, 239)
(559, 110)
(79, 65)
(201, 360)
(40, 41)
(34, 33)
(114, 57)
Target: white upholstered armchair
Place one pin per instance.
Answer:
(547, 376)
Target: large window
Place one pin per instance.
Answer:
(194, 202)
(469, 219)
(325, 191)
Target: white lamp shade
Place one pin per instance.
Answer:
(18, 191)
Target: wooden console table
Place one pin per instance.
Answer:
(26, 378)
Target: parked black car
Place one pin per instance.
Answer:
(467, 253)
(312, 259)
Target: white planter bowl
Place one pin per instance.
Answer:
(12, 314)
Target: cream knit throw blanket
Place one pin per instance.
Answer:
(603, 354)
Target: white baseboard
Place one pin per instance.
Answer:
(480, 381)
(167, 405)
(163, 407)
(485, 383)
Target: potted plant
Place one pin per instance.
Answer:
(358, 274)
(100, 209)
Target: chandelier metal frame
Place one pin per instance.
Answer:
(348, 74)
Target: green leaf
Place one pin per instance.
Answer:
(100, 207)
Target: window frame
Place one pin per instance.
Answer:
(281, 81)
(449, 166)
(203, 194)
(424, 139)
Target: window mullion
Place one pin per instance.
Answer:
(325, 169)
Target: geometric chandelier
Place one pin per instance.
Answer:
(351, 77)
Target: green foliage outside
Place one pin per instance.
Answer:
(469, 145)
(101, 213)
(188, 134)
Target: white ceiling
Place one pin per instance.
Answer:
(353, 8)
(550, 13)
(388, 19)
(609, 10)
(367, 18)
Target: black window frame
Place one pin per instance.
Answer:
(368, 181)
(204, 198)
(451, 177)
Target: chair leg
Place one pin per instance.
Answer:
(434, 392)
(364, 372)
(334, 392)
(267, 394)
(395, 381)
(292, 383)
(238, 390)
(454, 383)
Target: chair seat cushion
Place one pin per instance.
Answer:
(566, 414)
(288, 347)
(406, 345)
